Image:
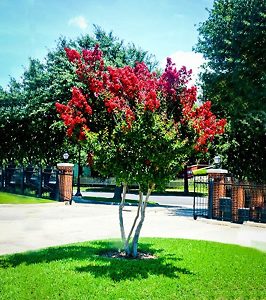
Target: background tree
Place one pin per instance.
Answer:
(141, 126)
(12, 104)
(233, 42)
(33, 133)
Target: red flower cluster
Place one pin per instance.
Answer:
(188, 98)
(89, 68)
(206, 125)
(124, 90)
(203, 121)
(151, 101)
(115, 104)
(92, 57)
(172, 81)
(199, 118)
(130, 87)
(75, 114)
(72, 55)
(121, 89)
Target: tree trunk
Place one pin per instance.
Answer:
(138, 229)
(121, 221)
(135, 220)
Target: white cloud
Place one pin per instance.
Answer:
(190, 60)
(79, 21)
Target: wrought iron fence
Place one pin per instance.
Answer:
(201, 198)
(30, 181)
(225, 198)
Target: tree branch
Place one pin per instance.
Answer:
(121, 221)
(137, 216)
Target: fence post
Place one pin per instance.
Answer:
(210, 198)
(57, 186)
(2, 178)
(39, 191)
(22, 180)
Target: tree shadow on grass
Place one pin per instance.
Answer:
(120, 269)
(91, 259)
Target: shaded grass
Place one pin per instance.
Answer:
(183, 269)
(8, 198)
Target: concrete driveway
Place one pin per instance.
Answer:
(29, 227)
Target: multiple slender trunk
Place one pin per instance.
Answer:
(130, 242)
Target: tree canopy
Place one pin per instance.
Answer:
(233, 42)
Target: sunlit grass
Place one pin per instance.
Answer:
(182, 269)
(8, 198)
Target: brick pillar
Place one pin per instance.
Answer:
(238, 200)
(65, 171)
(219, 190)
(257, 199)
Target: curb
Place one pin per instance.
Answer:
(232, 225)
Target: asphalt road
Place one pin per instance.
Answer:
(160, 199)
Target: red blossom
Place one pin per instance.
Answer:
(130, 117)
(75, 114)
(123, 91)
(72, 55)
(173, 80)
(151, 101)
(205, 125)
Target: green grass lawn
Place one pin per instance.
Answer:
(182, 269)
(8, 198)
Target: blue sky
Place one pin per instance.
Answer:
(163, 27)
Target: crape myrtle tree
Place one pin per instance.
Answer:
(141, 127)
(233, 42)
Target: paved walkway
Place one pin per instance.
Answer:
(29, 227)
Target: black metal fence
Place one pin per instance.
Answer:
(225, 198)
(37, 181)
(201, 204)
